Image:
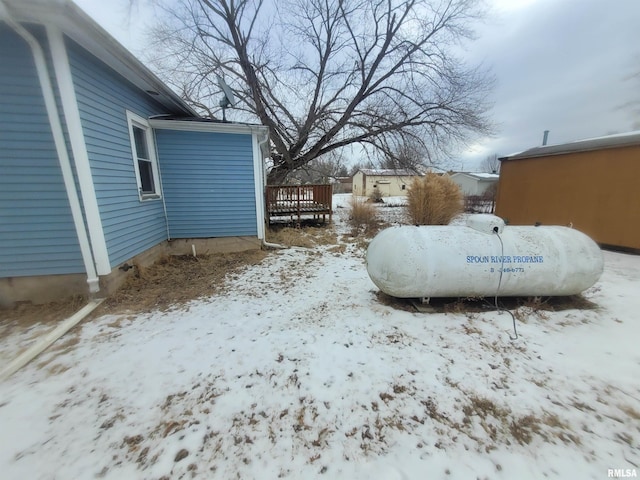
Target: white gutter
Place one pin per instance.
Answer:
(258, 175)
(273, 245)
(58, 138)
(259, 172)
(199, 126)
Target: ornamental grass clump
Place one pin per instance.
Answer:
(363, 217)
(434, 200)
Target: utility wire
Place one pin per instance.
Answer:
(498, 308)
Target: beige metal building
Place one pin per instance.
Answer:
(390, 183)
(591, 185)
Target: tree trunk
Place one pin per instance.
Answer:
(277, 175)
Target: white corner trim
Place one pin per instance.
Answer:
(79, 148)
(61, 149)
(259, 183)
(161, 186)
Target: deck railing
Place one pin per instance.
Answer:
(298, 200)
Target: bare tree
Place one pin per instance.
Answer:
(325, 74)
(491, 164)
(325, 169)
(633, 105)
(360, 165)
(409, 155)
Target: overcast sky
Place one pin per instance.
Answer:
(566, 66)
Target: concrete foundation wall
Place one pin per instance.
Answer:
(48, 288)
(41, 289)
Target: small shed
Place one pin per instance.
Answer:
(474, 183)
(343, 185)
(389, 182)
(590, 184)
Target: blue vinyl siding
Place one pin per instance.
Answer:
(37, 234)
(208, 183)
(130, 226)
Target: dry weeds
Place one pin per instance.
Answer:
(24, 315)
(524, 428)
(176, 280)
(363, 218)
(434, 200)
(338, 249)
(630, 411)
(522, 307)
(170, 281)
(306, 237)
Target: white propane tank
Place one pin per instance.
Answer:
(468, 260)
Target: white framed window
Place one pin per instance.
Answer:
(145, 162)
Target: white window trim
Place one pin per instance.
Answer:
(140, 122)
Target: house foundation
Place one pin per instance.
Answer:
(49, 288)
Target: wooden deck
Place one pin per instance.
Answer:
(299, 200)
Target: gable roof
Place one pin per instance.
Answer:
(388, 172)
(597, 143)
(82, 29)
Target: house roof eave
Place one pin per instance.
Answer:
(590, 144)
(82, 29)
(206, 125)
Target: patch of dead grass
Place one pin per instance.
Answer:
(363, 218)
(306, 237)
(338, 249)
(24, 315)
(484, 407)
(522, 307)
(523, 429)
(500, 423)
(67, 343)
(173, 280)
(630, 411)
(290, 237)
(176, 280)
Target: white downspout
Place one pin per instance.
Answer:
(58, 138)
(262, 187)
(164, 203)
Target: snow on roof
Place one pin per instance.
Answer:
(596, 143)
(488, 176)
(479, 175)
(612, 136)
(380, 172)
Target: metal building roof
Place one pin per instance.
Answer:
(479, 175)
(597, 143)
(389, 172)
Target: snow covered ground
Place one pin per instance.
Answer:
(298, 371)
